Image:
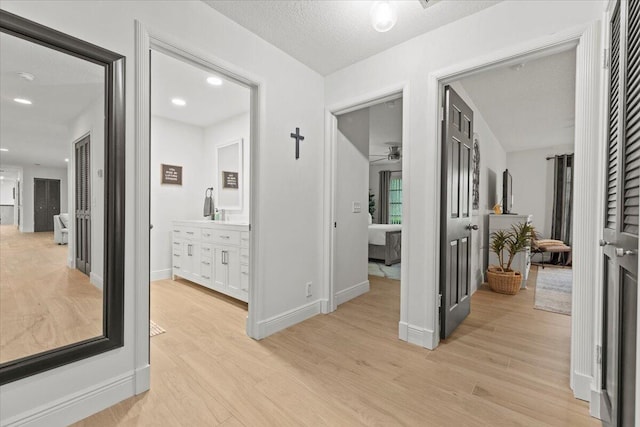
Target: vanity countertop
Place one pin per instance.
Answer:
(244, 225)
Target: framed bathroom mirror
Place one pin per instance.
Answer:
(62, 127)
(229, 175)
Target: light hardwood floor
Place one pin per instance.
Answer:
(507, 365)
(43, 303)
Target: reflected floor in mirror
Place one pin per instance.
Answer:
(43, 303)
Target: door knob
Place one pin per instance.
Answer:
(620, 252)
(472, 227)
(603, 242)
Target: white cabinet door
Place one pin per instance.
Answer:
(220, 268)
(232, 262)
(191, 259)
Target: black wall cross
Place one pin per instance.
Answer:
(298, 138)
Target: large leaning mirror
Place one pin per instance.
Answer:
(61, 198)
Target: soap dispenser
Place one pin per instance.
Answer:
(216, 215)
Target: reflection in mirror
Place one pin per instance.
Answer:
(52, 144)
(229, 173)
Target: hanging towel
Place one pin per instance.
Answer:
(208, 203)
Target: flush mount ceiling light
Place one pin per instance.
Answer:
(214, 81)
(383, 16)
(4, 149)
(179, 102)
(22, 101)
(66, 160)
(27, 76)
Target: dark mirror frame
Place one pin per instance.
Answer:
(114, 173)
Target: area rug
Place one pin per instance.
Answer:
(553, 289)
(154, 329)
(381, 270)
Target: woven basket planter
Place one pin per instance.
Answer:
(504, 282)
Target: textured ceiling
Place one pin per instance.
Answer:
(533, 107)
(329, 35)
(63, 87)
(206, 104)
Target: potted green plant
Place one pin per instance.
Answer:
(506, 244)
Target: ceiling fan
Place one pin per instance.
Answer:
(395, 153)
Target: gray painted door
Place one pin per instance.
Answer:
(83, 206)
(455, 250)
(620, 234)
(46, 203)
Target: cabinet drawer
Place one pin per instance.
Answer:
(244, 239)
(244, 256)
(206, 270)
(206, 234)
(176, 260)
(182, 232)
(244, 277)
(227, 237)
(207, 251)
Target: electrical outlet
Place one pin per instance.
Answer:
(309, 293)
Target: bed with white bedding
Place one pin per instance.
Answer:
(385, 242)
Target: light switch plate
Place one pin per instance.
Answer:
(356, 207)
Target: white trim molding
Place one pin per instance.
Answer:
(288, 318)
(161, 274)
(95, 280)
(352, 292)
(77, 406)
(587, 221)
(416, 335)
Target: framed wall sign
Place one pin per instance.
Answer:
(171, 174)
(229, 179)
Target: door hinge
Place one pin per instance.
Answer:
(335, 225)
(249, 227)
(439, 300)
(605, 59)
(599, 354)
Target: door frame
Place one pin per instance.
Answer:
(585, 324)
(400, 90)
(147, 39)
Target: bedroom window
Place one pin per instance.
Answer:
(395, 198)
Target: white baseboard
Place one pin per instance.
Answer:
(143, 379)
(95, 280)
(289, 318)
(160, 274)
(582, 386)
(594, 404)
(70, 263)
(416, 335)
(324, 306)
(352, 292)
(77, 406)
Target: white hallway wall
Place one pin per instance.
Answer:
(180, 144)
(7, 188)
(503, 26)
(291, 96)
(352, 185)
(532, 176)
(493, 160)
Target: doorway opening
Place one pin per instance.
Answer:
(200, 151)
(367, 201)
(510, 168)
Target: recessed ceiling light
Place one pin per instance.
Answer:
(4, 149)
(22, 101)
(66, 160)
(214, 81)
(27, 76)
(383, 16)
(1, 177)
(517, 67)
(179, 102)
